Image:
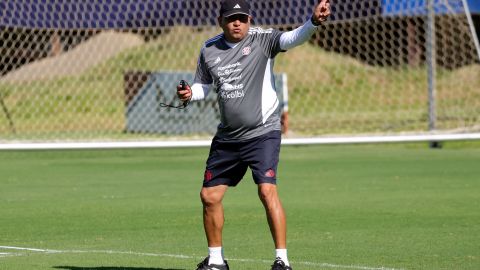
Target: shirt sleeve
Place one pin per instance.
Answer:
(203, 79)
(199, 91)
(202, 75)
(297, 36)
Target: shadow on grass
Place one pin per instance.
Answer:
(112, 268)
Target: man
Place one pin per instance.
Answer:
(239, 64)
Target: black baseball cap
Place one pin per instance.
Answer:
(231, 7)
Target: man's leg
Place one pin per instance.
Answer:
(275, 214)
(278, 225)
(213, 218)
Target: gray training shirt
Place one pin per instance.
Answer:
(242, 77)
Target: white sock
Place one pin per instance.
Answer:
(216, 255)
(282, 254)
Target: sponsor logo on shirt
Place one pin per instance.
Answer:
(231, 79)
(229, 69)
(231, 91)
(229, 66)
(228, 90)
(232, 94)
(229, 87)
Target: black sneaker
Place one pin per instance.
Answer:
(278, 264)
(205, 266)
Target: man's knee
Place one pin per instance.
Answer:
(212, 195)
(267, 193)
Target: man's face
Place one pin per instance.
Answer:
(235, 27)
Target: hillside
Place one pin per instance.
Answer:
(76, 61)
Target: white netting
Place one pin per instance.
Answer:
(72, 70)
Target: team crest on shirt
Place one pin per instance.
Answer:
(246, 50)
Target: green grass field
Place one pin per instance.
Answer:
(349, 207)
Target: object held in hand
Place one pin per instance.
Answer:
(185, 103)
(184, 85)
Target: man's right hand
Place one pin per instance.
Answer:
(184, 94)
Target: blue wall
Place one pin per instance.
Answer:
(419, 7)
(474, 6)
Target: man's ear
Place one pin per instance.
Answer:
(219, 20)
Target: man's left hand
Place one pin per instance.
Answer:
(321, 12)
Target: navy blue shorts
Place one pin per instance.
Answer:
(228, 161)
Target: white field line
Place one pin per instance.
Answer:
(9, 254)
(180, 256)
(23, 248)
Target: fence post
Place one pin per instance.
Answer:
(431, 63)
